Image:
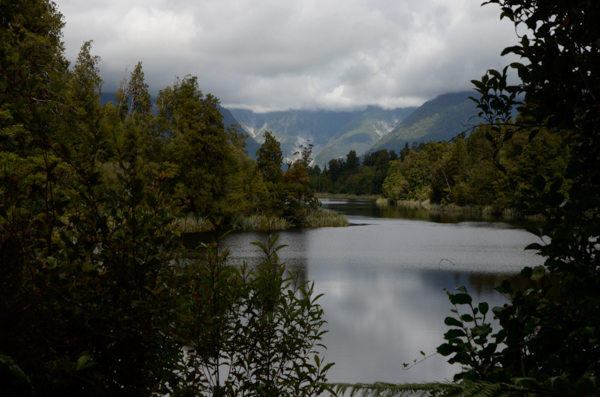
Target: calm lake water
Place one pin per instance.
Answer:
(383, 281)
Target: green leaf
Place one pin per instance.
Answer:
(483, 308)
(526, 272)
(538, 272)
(461, 299)
(81, 361)
(534, 246)
(454, 333)
(452, 322)
(482, 330)
(447, 349)
(467, 318)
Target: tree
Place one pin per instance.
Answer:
(269, 159)
(86, 81)
(352, 161)
(137, 91)
(199, 142)
(305, 152)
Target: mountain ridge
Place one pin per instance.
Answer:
(439, 119)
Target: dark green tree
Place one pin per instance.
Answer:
(137, 92)
(86, 82)
(269, 159)
(352, 161)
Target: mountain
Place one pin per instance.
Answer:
(251, 145)
(362, 132)
(293, 128)
(439, 119)
(332, 133)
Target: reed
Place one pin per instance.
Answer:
(193, 223)
(259, 222)
(325, 218)
(347, 196)
(454, 208)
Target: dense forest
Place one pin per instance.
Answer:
(180, 140)
(98, 295)
(467, 171)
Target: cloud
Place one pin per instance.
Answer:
(276, 55)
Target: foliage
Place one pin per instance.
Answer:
(260, 323)
(93, 293)
(547, 343)
(352, 177)
(269, 159)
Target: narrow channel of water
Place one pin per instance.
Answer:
(383, 281)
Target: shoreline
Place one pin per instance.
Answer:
(319, 218)
(489, 210)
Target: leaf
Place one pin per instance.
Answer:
(526, 272)
(451, 321)
(481, 330)
(454, 333)
(446, 349)
(81, 361)
(538, 272)
(467, 318)
(461, 299)
(483, 308)
(534, 246)
(261, 246)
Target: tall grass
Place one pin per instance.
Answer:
(259, 222)
(413, 204)
(325, 218)
(454, 208)
(347, 196)
(318, 218)
(193, 223)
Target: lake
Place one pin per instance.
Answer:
(383, 281)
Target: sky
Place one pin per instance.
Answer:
(269, 55)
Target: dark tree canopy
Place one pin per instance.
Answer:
(269, 158)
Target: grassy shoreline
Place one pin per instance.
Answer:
(319, 218)
(507, 213)
(453, 208)
(347, 196)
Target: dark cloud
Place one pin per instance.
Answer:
(274, 55)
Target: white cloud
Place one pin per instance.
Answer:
(274, 55)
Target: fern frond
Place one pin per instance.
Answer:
(381, 389)
(435, 389)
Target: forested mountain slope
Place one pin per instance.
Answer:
(356, 130)
(251, 145)
(362, 132)
(439, 119)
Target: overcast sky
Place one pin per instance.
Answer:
(269, 55)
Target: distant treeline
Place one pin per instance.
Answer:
(478, 170)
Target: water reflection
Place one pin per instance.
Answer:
(368, 208)
(383, 282)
